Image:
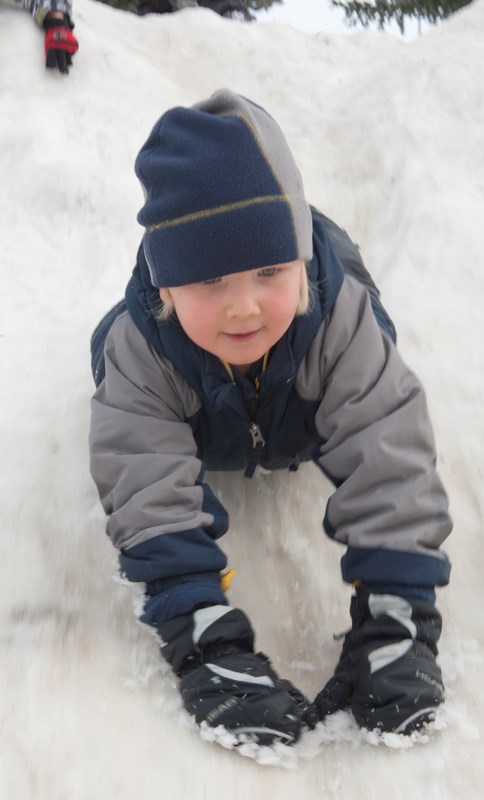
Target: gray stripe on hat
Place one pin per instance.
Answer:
(275, 150)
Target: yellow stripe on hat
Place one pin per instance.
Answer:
(224, 209)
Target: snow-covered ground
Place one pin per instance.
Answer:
(389, 136)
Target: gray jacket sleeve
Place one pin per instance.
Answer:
(143, 459)
(377, 447)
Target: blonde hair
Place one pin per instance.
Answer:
(304, 306)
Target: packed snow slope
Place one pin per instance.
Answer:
(389, 137)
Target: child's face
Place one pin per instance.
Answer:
(239, 317)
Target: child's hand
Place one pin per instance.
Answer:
(223, 682)
(242, 692)
(387, 673)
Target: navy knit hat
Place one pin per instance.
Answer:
(223, 193)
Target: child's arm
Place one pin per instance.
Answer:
(162, 518)
(391, 511)
(165, 520)
(389, 506)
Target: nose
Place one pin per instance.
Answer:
(242, 302)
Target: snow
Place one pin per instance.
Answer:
(388, 134)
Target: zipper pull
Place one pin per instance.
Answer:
(258, 443)
(257, 438)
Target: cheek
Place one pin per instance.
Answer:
(197, 321)
(283, 305)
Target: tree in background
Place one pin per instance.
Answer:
(382, 12)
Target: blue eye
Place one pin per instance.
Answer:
(210, 281)
(268, 272)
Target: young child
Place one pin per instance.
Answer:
(55, 17)
(251, 334)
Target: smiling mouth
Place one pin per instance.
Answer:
(242, 337)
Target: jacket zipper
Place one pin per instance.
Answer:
(258, 440)
(258, 443)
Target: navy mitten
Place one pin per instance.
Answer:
(223, 682)
(387, 674)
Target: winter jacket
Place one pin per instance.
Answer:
(335, 391)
